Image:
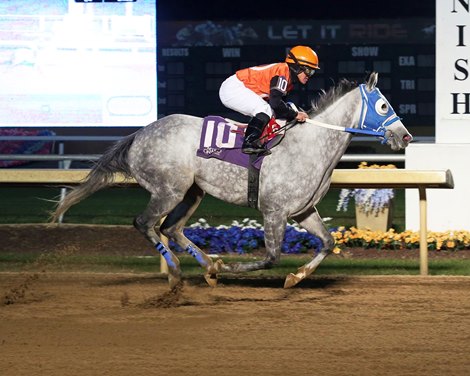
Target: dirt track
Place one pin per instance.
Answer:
(103, 324)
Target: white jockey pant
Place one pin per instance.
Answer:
(236, 96)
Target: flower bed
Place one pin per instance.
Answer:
(353, 237)
(248, 236)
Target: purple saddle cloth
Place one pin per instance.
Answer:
(223, 140)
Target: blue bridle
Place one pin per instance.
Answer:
(376, 114)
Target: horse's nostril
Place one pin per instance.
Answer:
(407, 138)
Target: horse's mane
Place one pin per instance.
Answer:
(343, 87)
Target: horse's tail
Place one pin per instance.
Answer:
(101, 176)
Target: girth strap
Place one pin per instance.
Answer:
(253, 183)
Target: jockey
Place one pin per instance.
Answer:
(259, 92)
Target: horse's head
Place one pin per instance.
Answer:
(377, 115)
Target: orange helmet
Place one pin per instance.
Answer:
(302, 56)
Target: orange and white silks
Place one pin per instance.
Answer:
(258, 79)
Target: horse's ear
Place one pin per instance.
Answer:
(371, 81)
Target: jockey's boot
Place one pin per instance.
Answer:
(252, 143)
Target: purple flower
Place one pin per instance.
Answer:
(244, 239)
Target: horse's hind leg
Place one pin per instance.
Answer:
(312, 222)
(173, 226)
(145, 223)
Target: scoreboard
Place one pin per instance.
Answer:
(189, 77)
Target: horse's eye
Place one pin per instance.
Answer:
(381, 107)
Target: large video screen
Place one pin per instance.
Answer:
(77, 63)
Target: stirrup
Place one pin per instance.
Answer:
(252, 149)
(264, 152)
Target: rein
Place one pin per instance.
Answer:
(346, 129)
(340, 128)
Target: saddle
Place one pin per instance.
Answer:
(223, 138)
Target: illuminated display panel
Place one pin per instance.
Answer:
(71, 63)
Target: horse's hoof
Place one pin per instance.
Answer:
(216, 267)
(211, 273)
(218, 264)
(211, 279)
(291, 280)
(173, 281)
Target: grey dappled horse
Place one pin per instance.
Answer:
(161, 157)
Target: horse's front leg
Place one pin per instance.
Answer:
(274, 229)
(312, 222)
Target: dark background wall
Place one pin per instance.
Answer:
(177, 10)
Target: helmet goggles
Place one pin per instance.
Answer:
(309, 72)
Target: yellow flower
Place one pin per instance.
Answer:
(450, 244)
(406, 239)
(365, 165)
